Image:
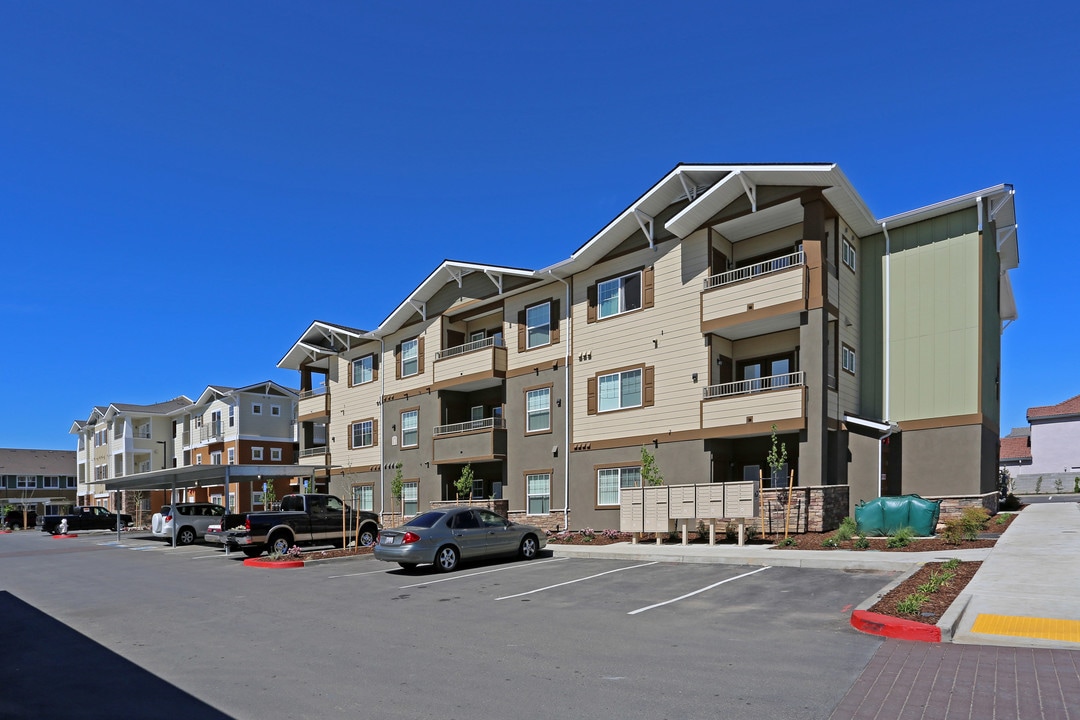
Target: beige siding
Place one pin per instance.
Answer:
(264, 426)
(349, 404)
(485, 360)
(761, 292)
(764, 407)
(784, 238)
(432, 344)
(541, 355)
(666, 337)
(778, 342)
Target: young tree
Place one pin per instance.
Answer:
(396, 486)
(777, 457)
(650, 471)
(464, 484)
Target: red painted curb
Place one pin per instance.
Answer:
(64, 537)
(276, 564)
(888, 626)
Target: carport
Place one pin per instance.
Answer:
(198, 475)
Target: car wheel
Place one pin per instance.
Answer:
(252, 552)
(407, 566)
(528, 548)
(446, 559)
(185, 536)
(367, 536)
(279, 544)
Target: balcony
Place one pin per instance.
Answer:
(314, 403)
(473, 441)
(759, 402)
(762, 290)
(211, 432)
(314, 455)
(477, 364)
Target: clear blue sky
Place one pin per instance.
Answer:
(185, 186)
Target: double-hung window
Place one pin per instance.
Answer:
(410, 498)
(847, 253)
(619, 295)
(409, 435)
(363, 370)
(620, 390)
(410, 357)
(538, 410)
(847, 359)
(538, 325)
(610, 481)
(362, 434)
(364, 497)
(538, 492)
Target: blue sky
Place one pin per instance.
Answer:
(184, 187)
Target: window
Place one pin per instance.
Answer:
(198, 459)
(256, 409)
(538, 410)
(232, 415)
(620, 390)
(409, 498)
(215, 457)
(27, 481)
(847, 359)
(476, 412)
(477, 336)
(51, 482)
(538, 492)
(232, 456)
(364, 497)
(275, 454)
(363, 370)
(257, 498)
(538, 325)
(847, 254)
(256, 453)
(71, 483)
(275, 411)
(410, 357)
(609, 481)
(619, 295)
(409, 435)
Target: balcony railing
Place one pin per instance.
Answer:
(756, 270)
(491, 423)
(141, 435)
(745, 387)
(321, 390)
(468, 347)
(313, 451)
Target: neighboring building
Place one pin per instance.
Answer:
(1015, 452)
(724, 302)
(252, 425)
(43, 481)
(1049, 448)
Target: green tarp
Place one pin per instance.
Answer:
(886, 515)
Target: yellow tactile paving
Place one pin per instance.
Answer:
(1032, 627)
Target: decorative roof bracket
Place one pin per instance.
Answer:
(995, 207)
(496, 278)
(1003, 235)
(648, 225)
(420, 307)
(750, 188)
(690, 188)
(456, 275)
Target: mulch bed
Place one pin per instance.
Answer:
(937, 603)
(813, 541)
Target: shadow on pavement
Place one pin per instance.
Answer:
(53, 671)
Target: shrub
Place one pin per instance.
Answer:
(1059, 486)
(861, 543)
(953, 533)
(1038, 485)
(847, 529)
(901, 538)
(974, 520)
(1076, 484)
(789, 541)
(951, 564)
(830, 542)
(611, 534)
(587, 533)
(751, 532)
(911, 604)
(1011, 503)
(1001, 519)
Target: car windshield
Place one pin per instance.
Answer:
(426, 520)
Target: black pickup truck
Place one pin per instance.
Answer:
(14, 518)
(303, 520)
(84, 517)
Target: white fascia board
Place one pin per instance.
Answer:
(942, 208)
(707, 204)
(882, 427)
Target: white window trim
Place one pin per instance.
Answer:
(275, 411)
(618, 486)
(848, 360)
(405, 356)
(367, 368)
(232, 456)
(529, 413)
(371, 432)
(529, 496)
(545, 324)
(275, 454)
(641, 390)
(410, 492)
(622, 295)
(256, 453)
(416, 428)
(847, 253)
(256, 408)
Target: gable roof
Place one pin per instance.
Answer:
(1015, 448)
(17, 461)
(1066, 408)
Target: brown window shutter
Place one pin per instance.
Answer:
(375, 366)
(647, 387)
(375, 433)
(351, 435)
(647, 287)
(521, 331)
(590, 315)
(554, 321)
(397, 361)
(592, 396)
(420, 354)
(350, 371)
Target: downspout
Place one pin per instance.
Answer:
(885, 341)
(566, 405)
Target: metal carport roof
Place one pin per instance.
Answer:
(198, 475)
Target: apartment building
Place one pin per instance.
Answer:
(255, 424)
(40, 481)
(1045, 455)
(725, 303)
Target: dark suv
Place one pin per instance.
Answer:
(14, 518)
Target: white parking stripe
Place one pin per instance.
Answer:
(484, 572)
(571, 582)
(369, 572)
(696, 592)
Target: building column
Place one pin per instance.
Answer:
(813, 346)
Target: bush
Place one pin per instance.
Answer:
(911, 604)
(789, 541)
(901, 538)
(974, 520)
(830, 542)
(847, 529)
(1059, 486)
(1011, 502)
(861, 543)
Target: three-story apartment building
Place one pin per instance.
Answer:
(726, 303)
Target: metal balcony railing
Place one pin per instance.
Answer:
(321, 390)
(756, 270)
(313, 451)
(753, 385)
(491, 423)
(468, 347)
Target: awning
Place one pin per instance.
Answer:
(868, 426)
(207, 475)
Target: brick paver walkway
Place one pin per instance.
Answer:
(933, 681)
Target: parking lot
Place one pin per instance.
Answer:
(359, 638)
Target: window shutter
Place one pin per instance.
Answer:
(375, 432)
(397, 361)
(592, 395)
(647, 287)
(349, 366)
(420, 354)
(590, 316)
(554, 321)
(521, 331)
(351, 436)
(647, 387)
(375, 366)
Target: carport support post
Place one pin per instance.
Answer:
(172, 505)
(227, 476)
(119, 520)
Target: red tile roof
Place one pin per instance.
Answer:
(1015, 448)
(1068, 407)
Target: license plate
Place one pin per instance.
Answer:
(391, 540)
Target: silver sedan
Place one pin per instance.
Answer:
(447, 536)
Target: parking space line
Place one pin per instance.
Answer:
(697, 592)
(571, 582)
(484, 572)
(369, 572)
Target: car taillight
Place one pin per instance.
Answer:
(247, 523)
(168, 518)
(410, 537)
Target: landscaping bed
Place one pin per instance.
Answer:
(936, 603)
